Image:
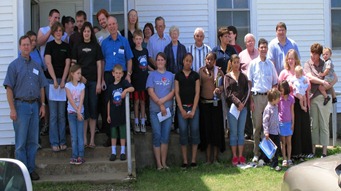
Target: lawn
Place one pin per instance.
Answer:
(205, 177)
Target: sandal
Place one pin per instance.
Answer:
(55, 148)
(92, 146)
(63, 147)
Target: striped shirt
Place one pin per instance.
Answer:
(199, 55)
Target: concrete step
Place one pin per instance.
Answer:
(60, 167)
(100, 138)
(98, 152)
(97, 178)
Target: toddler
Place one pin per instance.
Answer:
(300, 86)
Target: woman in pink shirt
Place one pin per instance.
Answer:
(301, 138)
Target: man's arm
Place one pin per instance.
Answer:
(10, 99)
(42, 38)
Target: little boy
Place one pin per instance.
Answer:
(116, 110)
(271, 126)
(300, 84)
(328, 74)
(138, 80)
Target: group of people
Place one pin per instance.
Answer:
(203, 90)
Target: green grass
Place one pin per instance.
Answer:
(205, 177)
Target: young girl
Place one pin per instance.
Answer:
(75, 95)
(286, 121)
(187, 92)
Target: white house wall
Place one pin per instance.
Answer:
(8, 52)
(187, 15)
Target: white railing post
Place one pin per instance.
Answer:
(334, 124)
(128, 135)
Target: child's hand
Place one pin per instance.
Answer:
(123, 95)
(109, 119)
(267, 136)
(80, 117)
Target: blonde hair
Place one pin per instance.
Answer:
(117, 67)
(299, 69)
(297, 60)
(327, 49)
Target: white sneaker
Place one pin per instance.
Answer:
(137, 128)
(143, 129)
(255, 159)
(261, 162)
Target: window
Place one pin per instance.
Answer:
(236, 13)
(336, 24)
(114, 8)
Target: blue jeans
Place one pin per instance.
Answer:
(237, 127)
(57, 119)
(90, 100)
(161, 130)
(191, 125)
(77, 135)
(26, 129)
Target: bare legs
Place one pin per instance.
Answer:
(184, 153)
(160, 154)
(92, 124)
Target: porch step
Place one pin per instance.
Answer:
(55, 167)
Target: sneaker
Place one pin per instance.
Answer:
(79, 161)
(278, 168)
(73, 161)
(112, 157)
(290, 163)
(234, 161)
(143, 128)
(137, 128)
(261, 163)
(323, 156)
(334, 100)
(123, 157)
(312, 155)
(34, 176)
(326, 100)
(285, 163)
(255, 159)
(242, 160)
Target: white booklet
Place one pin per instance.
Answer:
(234, 111)
(161, 117)
(58, 94)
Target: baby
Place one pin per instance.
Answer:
(328, 74)
(300, 86)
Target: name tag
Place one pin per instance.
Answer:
(35, 71)
(121, 51)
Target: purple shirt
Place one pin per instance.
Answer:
(284, 108)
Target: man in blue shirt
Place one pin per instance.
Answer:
(279, 46)
(116, 50)
(24, 83)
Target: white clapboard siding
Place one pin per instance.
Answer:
(336, 57)
(8, 52)
(187, 15)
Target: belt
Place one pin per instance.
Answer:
(187, 105)
(258, 93)
(30, 101)
(208, 100)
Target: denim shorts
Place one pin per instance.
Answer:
(285, 128)
(161, 130)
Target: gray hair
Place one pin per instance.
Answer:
(199, 29)
(174, 28)
(249, 35)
